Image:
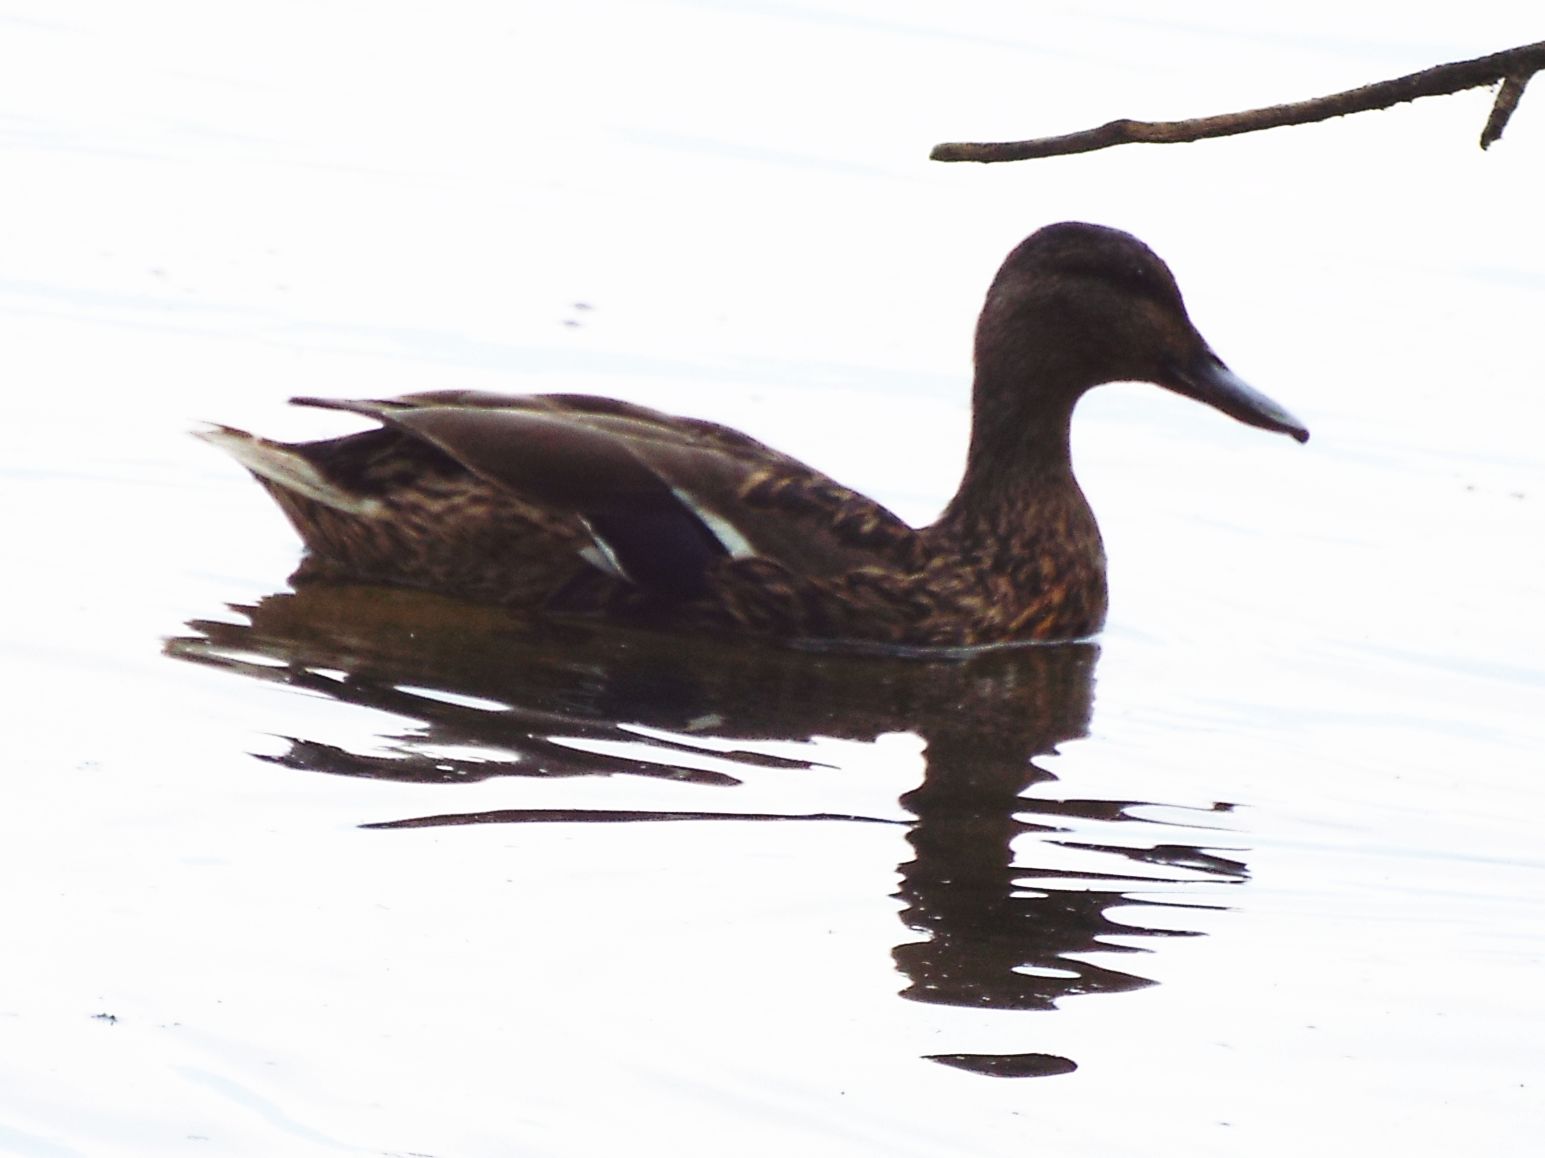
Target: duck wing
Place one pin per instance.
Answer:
(664, 498)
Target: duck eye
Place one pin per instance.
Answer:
(1144, 281)
(1135, 279)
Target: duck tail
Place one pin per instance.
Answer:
(285, 468)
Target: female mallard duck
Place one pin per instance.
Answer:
(583, 505)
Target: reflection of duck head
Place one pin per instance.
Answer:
(492, 693)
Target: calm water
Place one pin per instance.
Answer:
(1257, 872)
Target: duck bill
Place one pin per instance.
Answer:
(1207, 379)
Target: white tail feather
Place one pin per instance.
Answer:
(283, 467)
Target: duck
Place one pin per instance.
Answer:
(578, 505)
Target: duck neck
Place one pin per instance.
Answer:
(1018, 485)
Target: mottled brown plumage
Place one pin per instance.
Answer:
(589, 506)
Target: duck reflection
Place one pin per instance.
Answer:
(492, 694)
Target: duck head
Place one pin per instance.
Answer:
(1077, 305)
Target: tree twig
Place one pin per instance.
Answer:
(1507, 100)
(1512, 67)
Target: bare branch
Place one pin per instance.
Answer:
(1507, 100)
(1513, 68)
